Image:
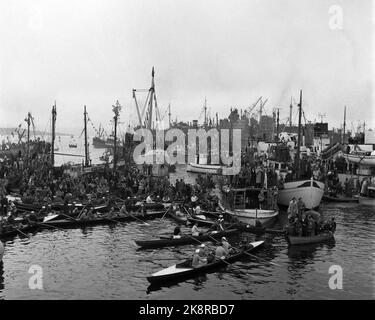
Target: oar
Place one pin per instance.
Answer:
(65, 215)
(251, 255)
(47, 225)
(166, 211)
(134, 217)
(18, 230)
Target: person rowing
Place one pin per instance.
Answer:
(123, 212)
(226, 245)
(177, 233)
(198, 259)
(195, 232)
(220, 252)
(218, 225)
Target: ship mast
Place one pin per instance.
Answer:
(116, 110)
(299, 136)
(343, 135)
(87, 161)
(54, 113)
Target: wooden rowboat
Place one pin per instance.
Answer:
(295, 240)
(184, 269)
(164, 242)
(100, 220)
(340, 199)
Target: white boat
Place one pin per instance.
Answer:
(370, 199)
(250, 216)
(311, 191)
(204, 168)
(362, 159)
(243, 204)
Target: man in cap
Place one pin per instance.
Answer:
(226, 244)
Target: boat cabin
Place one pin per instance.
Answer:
(241, 198)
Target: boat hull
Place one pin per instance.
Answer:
(174, 272)
(146, 244)
(293, 240)
(364, 160)
(204, 168)
(340, 199)
(250, 216)
(311, 192)
(366, 201)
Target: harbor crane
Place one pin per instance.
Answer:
(145, 117)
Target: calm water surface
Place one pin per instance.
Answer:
(103, 263)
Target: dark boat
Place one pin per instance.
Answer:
(101, 220)
(295, 240)
(11, 232)
(184, 269)
(328, 198)
(164, 242)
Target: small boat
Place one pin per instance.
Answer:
(339, 198)
(101, 220)
(204, 168)
(295, 240)
(370, 199)
(366, 160)
(1, 251)
(184, 269)
(11, 232)
(165, 242)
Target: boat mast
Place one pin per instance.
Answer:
(343, 135)
(54, 113)
(116, 110)
(28, 134)
(87, 162)
(299, 135)
(205, 112)
(152, 92)
(277, 125)
(290, 113)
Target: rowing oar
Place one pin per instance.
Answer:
(165, 213)
(47, 225)
(251, 255)
(147, 224)
(65, 215)
(18, 230)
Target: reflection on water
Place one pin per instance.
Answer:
(103, 262)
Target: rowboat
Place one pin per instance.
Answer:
(204, 168)
(294, 240)
(100, 220)
(12, 232)
(311, 191)
(184, 269)
(360, 159)
(164, 242)
(370, 199)
(340, 199)
(250, 216)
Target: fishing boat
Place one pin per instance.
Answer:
(370, 199)
(295, 240)
(311, 191)
(204, 168)
(243, 204)
(169, 241)
(184, 269)
(340, 198)
(11, 231)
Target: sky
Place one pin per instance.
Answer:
(94, 52)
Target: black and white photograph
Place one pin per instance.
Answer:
(185, 150)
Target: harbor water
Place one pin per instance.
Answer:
(103, 262)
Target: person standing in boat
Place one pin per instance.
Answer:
(301, 207)
(293, 208)
(275, 193)
(261, 198)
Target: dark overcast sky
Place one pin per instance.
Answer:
(93, 52)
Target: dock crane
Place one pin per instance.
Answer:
(145, 117)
